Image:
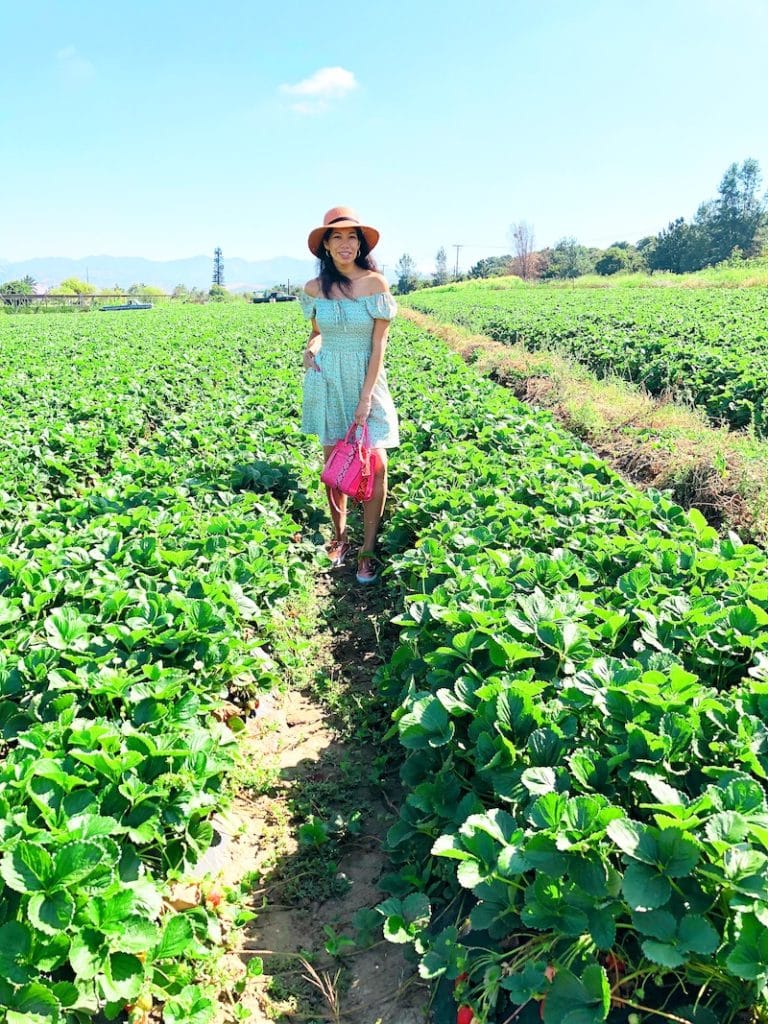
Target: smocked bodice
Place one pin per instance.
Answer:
(347, 322)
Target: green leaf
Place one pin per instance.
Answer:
(404, 918)
(255, 967)
(442, 955)
(426, 724)
(528, 983)
(633, 839)
(51, 913)
(662, 953)
(677, 854)
(34, 1004)
(449, 846)
(656, 924)
(660, 788)
(589, 872)
(644, 888)
(9, 611)
(189, 1007)
(584, 1000)
(67, 630)
(123, 977)
(749, 957)
(87, 954)
(66, 993)
(74, 862)
(541, 853)
(135, 935)
(547, 812)
(602, 927)
(15, 946)
(469, 874)
(176, 939)
(539, 780)
(727, 827)
(27, 868)
(696, 934)
(548, 908)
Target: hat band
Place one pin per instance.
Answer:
(337, 219)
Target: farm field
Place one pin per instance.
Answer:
(706, 346)
(579, 687)
(153, 506)
(582, 672)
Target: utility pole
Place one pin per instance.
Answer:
(457, 247)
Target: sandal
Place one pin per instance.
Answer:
(337, 551)
(366, 571)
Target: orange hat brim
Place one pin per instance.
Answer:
(315, 239)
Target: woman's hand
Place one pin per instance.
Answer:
(363, 411)
(309, 360)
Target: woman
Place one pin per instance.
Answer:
(350, 307)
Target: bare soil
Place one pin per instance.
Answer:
(320, 761)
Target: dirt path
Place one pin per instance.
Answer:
(303, 842)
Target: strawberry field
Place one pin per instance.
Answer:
(579, 689)
(153, 504)
(706, 346)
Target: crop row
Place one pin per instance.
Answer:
(154, 500)
(583, 685)
(704, 346)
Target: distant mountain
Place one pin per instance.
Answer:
(195, 272)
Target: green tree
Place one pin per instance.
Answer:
(441, 268)
(734, 219)
(569, 259)
(611, 262)
(621, 256)
(18, 287)
(23, 287)
(407, 275)
(681, 247)
(74, 286)
(492, 266)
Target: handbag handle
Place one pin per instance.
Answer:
(352, 435)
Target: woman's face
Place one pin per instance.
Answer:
(343, 244)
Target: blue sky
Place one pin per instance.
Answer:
(164, 129)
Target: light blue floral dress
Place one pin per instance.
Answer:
(331, 396)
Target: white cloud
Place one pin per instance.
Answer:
(313, 95)
(73, 67)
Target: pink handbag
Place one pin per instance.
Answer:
(351, 466)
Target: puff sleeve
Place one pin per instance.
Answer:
(381, 306)
(307, 303)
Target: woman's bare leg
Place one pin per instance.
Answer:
(374, 509)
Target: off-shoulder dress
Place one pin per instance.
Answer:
(331, 396)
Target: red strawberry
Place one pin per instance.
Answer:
(465, 1015)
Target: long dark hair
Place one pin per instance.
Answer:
(329, 274)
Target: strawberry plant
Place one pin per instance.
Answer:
(145, 574)
(705, 345)
(582, 677)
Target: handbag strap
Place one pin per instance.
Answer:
(352, 435)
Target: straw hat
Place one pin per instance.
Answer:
(340, 217)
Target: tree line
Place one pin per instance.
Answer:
(733, 225)
(75, 286)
